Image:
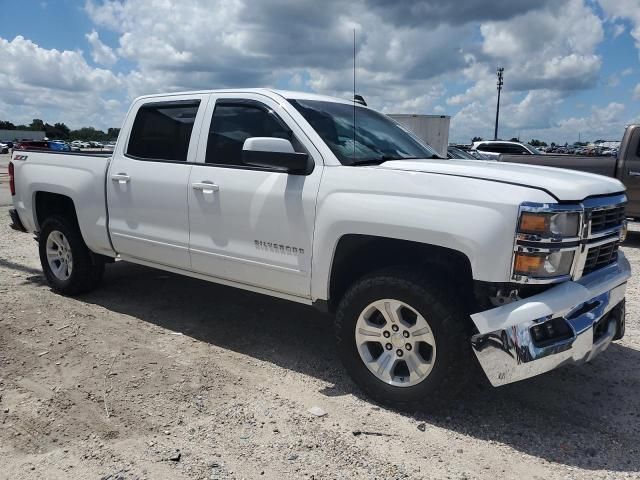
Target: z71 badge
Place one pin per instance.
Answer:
(20, 157)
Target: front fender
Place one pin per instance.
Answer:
(474, 217)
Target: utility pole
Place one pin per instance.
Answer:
(499, 72)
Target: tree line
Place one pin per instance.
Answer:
(59, 131)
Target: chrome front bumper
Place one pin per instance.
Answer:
(591, 307)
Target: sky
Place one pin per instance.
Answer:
(572, 67)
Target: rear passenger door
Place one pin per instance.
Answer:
(251, 225)
(148, 180)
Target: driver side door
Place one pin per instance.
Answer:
(251, 225)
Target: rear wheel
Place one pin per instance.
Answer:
(404, 339)
(66, 261)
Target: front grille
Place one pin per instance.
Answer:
(607, 218)
(598, 257)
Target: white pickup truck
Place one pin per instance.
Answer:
(425, 262)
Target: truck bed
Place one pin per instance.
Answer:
(79, 176)
(601, 165)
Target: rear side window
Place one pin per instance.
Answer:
(233, 123)
(161, 131)
(490, 147)
(515, 150)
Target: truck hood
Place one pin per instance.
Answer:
(560, 183)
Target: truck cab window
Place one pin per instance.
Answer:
(232, 124)
(161, 131)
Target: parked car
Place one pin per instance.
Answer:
(32, 145)
(81, 144)
(425, 262)
(4, 148)
(59, 145)
(624, 165)
(493, 148)
(458, 153)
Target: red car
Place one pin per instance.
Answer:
(31, 145)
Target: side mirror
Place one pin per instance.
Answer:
(277, 154)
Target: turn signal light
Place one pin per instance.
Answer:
(533, 223)
(528, 263)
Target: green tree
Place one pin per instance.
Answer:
(537, 143)
(57, 131)
(4, 125)
(514, 139)
(89, 134)
(113, 133)
(476, 139)
(36, 124)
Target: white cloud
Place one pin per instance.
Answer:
(36, 80)
(613, 80)
(101, 53)
(624, 9)
(553, 48)
(618, 29)
(422, 57)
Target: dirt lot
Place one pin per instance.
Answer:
(159, 376)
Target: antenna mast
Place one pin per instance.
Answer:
(354, 93)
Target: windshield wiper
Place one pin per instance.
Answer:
(386, 158)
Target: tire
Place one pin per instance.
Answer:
(452, 362)
(86, 271)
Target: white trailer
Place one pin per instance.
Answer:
(432, 129)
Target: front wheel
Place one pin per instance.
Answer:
(404, 339)
(66, 261)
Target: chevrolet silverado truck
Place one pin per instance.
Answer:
(429, 266)
(625, 166)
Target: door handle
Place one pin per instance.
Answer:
(121, 178)
(633, 173)
(205, 187)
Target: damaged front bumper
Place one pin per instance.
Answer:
(569, 323)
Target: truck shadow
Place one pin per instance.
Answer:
(584, 417)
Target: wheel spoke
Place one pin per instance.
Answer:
(368, 334)
(59, 271)
(422, 332)
(383, 366)
(389, 310)
(415, 365)
(65, 242)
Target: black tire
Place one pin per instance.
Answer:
(87, 270)
(451, 326)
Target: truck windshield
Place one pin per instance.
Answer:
(376, 139)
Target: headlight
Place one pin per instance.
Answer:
(561, 224)
(543, 264)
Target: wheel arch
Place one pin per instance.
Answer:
(356, 255)
(47, 204)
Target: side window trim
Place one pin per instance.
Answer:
(242, 102)
(201, 100)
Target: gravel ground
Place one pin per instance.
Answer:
(160, 376)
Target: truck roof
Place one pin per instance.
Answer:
(272, 93)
